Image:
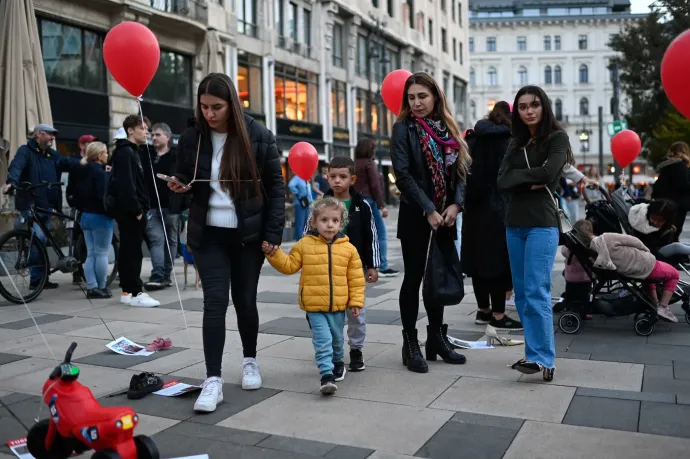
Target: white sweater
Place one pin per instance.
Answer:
(221, 209)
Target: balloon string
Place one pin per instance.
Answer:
(165, 232)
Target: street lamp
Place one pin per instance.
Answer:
(584, 143)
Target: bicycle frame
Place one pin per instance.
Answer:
(34, 217)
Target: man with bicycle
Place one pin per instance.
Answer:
(36, 163)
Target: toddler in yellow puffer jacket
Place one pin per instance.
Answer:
(332, 281)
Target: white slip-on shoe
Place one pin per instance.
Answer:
(211, 395)
(251, 374)
(126, 299)
(143, 300)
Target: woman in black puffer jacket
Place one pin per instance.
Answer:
(232, 168)
(484, 249)
(673, 183)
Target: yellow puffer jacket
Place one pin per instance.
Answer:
(332, 276)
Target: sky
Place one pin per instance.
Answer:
(640, 6)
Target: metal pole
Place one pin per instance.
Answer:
(616, 116)
(379, 35)
(601, 141)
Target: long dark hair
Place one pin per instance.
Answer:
(441, 112)
(237, 163)
(547, 126)
(501, 114)
(366, 148)
(663, 208)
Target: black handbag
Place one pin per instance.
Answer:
(304, 202)
(443, 283)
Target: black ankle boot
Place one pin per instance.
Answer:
(412, 354)
(437, 344)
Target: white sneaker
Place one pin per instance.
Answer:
(143, 300)
(126, 299)
(666, 313)
(251, 375)
(211, 395)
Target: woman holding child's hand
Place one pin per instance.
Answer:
(232, 167)
(431, 161)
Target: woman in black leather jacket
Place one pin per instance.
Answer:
(430, 160)
(230, 165)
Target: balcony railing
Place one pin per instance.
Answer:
(193, 9)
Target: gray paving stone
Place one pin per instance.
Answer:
(375, 292)
(40, 320)
(683, 399)
(479, 436)
(681, 370)
(112, 360)
(182, 408)
(9, 358)
(288, 326)
(10, 429)
(665, 419)
(573, 355)
(297, 445)
(190, 304)
(603, 413)
(649, 354)
(381, 317)
(487, 420)
(15, 398)
(349, 452)
(659, 378)
(277, 297)
(26, 411)
(211, 432)
(626, 395)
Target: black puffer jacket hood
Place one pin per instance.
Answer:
(486, 127)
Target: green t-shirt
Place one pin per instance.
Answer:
(347, 203)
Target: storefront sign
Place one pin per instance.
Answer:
(299, 130)
(341, 135)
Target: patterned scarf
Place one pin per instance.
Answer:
(441, 151)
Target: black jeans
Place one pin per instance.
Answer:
(132, 233)
(414, 245)
(491, 293)
(226, 265)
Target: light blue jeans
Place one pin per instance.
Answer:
(381, 232)
(327, 338)
(35, 272)
(532, 254)
(98, 235)
(301, 215)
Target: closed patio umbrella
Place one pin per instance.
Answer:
(24, 100)
(211, 55)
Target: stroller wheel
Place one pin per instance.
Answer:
(569, 322)
(644, 326)
(687, 317)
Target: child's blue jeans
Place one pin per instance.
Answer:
(532, 254)
(327, 337)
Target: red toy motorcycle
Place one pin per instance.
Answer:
(79, 423)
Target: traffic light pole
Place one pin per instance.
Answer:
(601, 141)
(616, 117)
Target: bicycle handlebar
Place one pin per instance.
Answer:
(28, 186)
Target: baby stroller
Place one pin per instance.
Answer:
(615, 207)
(613, 295)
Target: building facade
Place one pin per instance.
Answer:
(559, 45)
(309, 70)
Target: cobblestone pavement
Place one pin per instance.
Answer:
(615, 395)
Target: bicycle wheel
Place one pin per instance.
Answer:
(21, 251)
(80, 253)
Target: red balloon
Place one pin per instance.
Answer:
(675, 67)
(625, 147)
(131, 53)
(392, 89)
(303, 160)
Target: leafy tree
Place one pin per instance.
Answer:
(640, 47)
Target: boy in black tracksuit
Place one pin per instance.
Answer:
(128, 195)
(361, 230)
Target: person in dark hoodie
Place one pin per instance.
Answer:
(484, 248)
(128, 192)
(360, 228)
(673, 183)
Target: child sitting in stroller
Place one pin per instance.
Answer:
(628, 256)
(578, 284)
